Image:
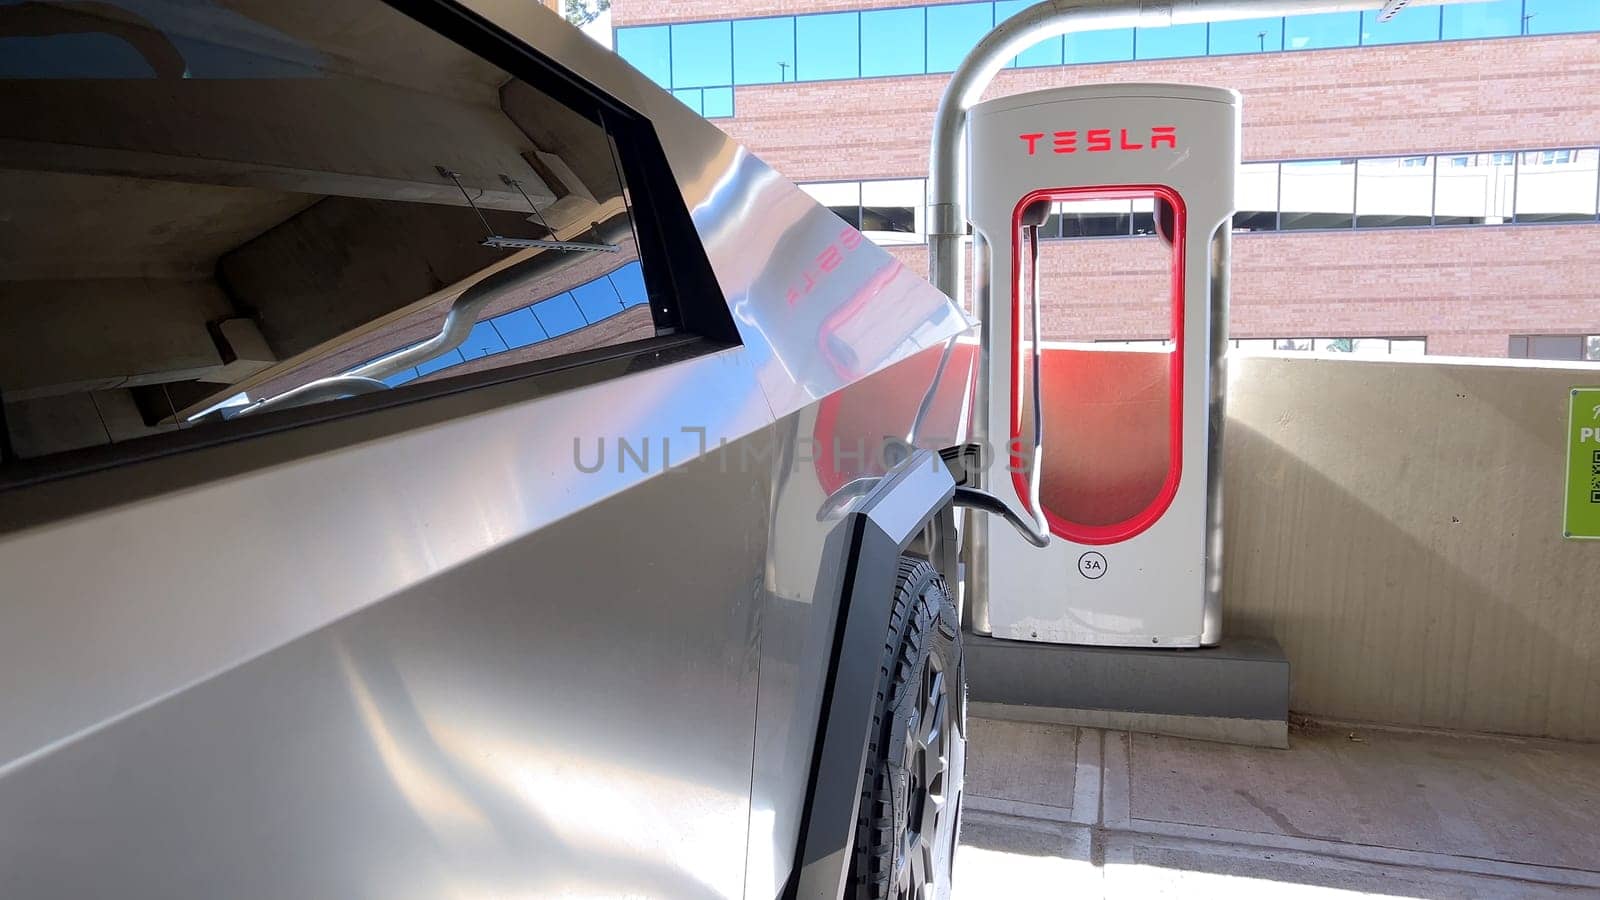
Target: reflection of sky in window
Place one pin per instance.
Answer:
(1559, 16)
(400, 377)
(1044, 53)
(1411, 26)
(1498, 18)
(559, 315)
(598, 299)
(763, 51)
(1171, 41)
(955, 29)
(1100, 46)
(649, 50)
(443, 361)
(717, 102)
(1321, 30)
(1247, 36)
(702, 55)
(629, 283)
(482, 341)
(830, 46)
(518, 328)
(891, 42)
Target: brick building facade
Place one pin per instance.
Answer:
(1440, 105)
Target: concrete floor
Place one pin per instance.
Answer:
(1057, 811)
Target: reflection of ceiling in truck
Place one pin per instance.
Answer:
(114, 227)
(288, 177)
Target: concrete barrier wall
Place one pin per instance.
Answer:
(1397, 527)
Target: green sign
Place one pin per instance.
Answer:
(1583, 465)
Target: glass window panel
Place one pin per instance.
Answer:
(829, 46)
(1321, 30)
(519, 328)
(1333, 345)
(1115, 45)
(1475, 189)
(1369, 346)
(649, 50)
(1255, 193)
(559, 315)
(1255, 345)
(763, 51)
(1318, 194)
(1170, 41)
(1144, 216)
(702, 54)
(1592, 347)
(629, 284)
(442, 361)
(1556, 186)
(1408, 347)
(691, 98)
(1095, 218)
(892, 212)
(1044, 53)
(481, 341)
(1559, 16)
(954, 29)
(891, 42)
(1296, 344)
(1247, 36)
(598, 299)
(1499, 18)
(1411, 25)
(842, 197)
(716, 103)
(400, 378)
(1394, 192)
(1555, 346)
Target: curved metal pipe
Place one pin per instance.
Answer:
(317, 391)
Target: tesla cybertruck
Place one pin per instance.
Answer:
(437, 463)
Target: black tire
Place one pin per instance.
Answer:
(910, 810)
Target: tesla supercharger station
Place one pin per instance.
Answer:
(1130, 486)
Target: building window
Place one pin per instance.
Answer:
(891, 42)
(1476, 192)
(1568, 347)
(1246, 36)
(1556, 186)
(1318, 194)
(1350, 346)
(953, 30)
(1394, 192)
(1114, 45)
(1499, 18)
(763, 50)
(1255, 192)
(842, 197)
(648, 49)
(1321, 30)
(1561, 16)
(702, 54)
(892, 212)
(1415, 25)
(828, 46)
(1170, 41)
(1045, 53)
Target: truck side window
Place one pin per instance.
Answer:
(290, 202)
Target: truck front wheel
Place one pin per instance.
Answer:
(909, 815)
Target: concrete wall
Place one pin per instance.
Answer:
(1397, 527)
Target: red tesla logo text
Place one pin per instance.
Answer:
(826, 261)
(1099, 140)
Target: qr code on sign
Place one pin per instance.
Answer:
(1594, 478)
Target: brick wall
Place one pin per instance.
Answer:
(1464, 289)
(1458, 95)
